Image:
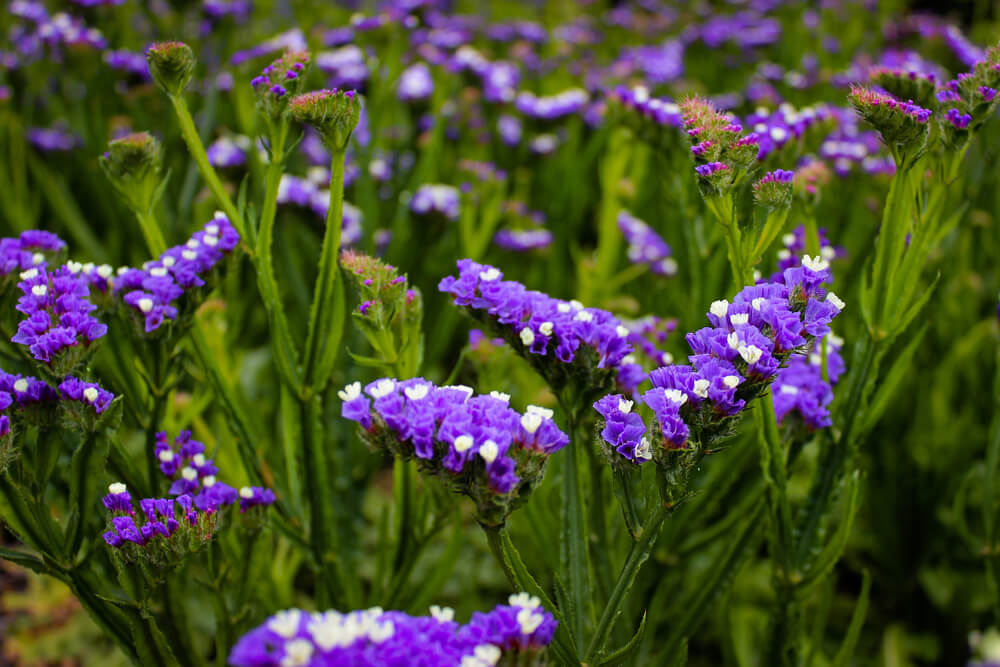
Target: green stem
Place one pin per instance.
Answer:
(638, 555)
(989, 492)
(318, 492)
(197, 149)
(151, 232)
(321, 314)
(574, 541)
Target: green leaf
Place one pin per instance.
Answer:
(829, 556)
(25, 560)
(900, 323)
(846, 650)
(622, 655)
(86, 467)
(897, 373)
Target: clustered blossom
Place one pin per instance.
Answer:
(774, 189)
(229, 151)
(295, 638)
(58, 313)
(523, 240)
(720, 149)
(799, 387)
(544, 327)
(479, 445)
(901, 124)
(415, 83)
(88, 393)
(195, 476)
(970, 99)
(387, 300)
(280, 80)
(32, 249)
(310, 193)
(732, 362)
(774, 130)
(153, 291)
(794, 244)
(437, 199)
(645, 246)
(551, 107)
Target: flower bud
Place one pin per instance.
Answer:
(332, 113)
(171, 65)
(902, 124)
(905, 85)
(280, 81)
(774, 190)
(132, 164)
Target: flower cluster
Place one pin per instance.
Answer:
(332, 113)
(774, 189)
(310, 193)
(437, 200)
(732, 362)
(152, 292)
(588, 344)
(59, 326)
(390, 311)
(653, 119)
(295, 638)
(87, 393)
(279, 81)
(32, 249)
(720, 149)
(905, 84)
(794, 244)
(970, 99)
(801, 389)
(478, 445)
(645, 246)
(193, 475)
(902, 125)
(784, 126)
(551, 107)
(415, 83)
(171, 64)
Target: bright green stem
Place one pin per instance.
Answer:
(609, 238)
(574, 543)
(494, 536)
(891, 243)
(638, 555)
(776, 476)
(723, 210)
(190, 135)
(284, 348)
(318, 492)
(151, 232)
(322, 312)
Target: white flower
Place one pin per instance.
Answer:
(208, 482)
(676, 395)
(328, 630)
(576, 305)
(642, 450)
(74, 267)
(116, 488)
(381, 632)
(583, 316)
(168, 261)
(666, 358)
(37, 258)
(167, 455)
(524, 599)
(285, 623)
(212, 229)
(816, 263)
(527, 336)
(731, 381)
(189, 473)
(529, 621)
(789, 389)
(489, 451)
(758, 302)
(189, 255)
(158, 271)
(298, 653)
(40, 290)
(739, 319)
(784, 254)
(827, 252)
(750, 353)
(563, 307)
(546, 328)
(788, 239)
(31, 273)
(192, 243)
(531, 422)
(442, 614)
(733, 340)
(417, 391)
(489, 274)
(199, 459)
(815, 359)
(463, 443)
(90, 394)
(545, 413)
(719, 308)
(209, 240)
(625, 405)
(487, 654)
(500, 396)
(835, 300)
(145, 304)
(701, 387)
(461, 387)
(382, 388)
(246, 493)
(628, 359)
(350, 392)
(622, 331)
(21, 386)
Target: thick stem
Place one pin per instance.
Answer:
(574, 541)
(318, 495)
(151, 232)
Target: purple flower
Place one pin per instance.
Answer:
(623, 429)
(255, 496)
(415, 83)
(645, 246)
(88, 393)
(442, 200)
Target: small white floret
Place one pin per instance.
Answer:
(350, 392)
(676, 395)
(382, 388)
(21, 386)
(622, 331)
(750, 353)
(545, 413)
(145, 304)
(719, 308)
(442, 614)
(417, 391)
(524, 599)
(208, 481)
(731, 381)
(531, 422)
(168, 261)
(29, 274)
(758, 302)
(529, 621)
(298, 653)
(189, 473)
(784, 254)
(816, 263)
(489, 451)
(500, 396)
(527, 336)
(189, 255)
(642, 450)
(789, 389)
(564, 307)
(489, 274)
(625, 405)
(733, 340)
(701, 387)
(90, 394)
(546, 328)
(285, 623)
(837, 302)
(37, 258)
(463, 443)
(246, 493)
(198, 459)
(576, 304)
(739, 319)
(40, 290)
(584, 316)
(788, 239)
(209, 240)
(158, 271)
(116, 488)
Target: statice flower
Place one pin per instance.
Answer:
(192, 474)
(346, 67)
(438, 200)
(415, 83)
(565, 341)
(32, 249)
(154, 291)
(645, 246)
(279, 82)
(902, 124)
(132, 63)
(552, 107)
(732, 362)
(794, 244)
(774, 130)
(478, 445)
(229, 151)
(88, 393)
(523, 240)
(295, 638)
(774, 190)
(58, 328)
(52, 139)
(291, 40)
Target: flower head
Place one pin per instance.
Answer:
(332, 113)
(171, 65)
